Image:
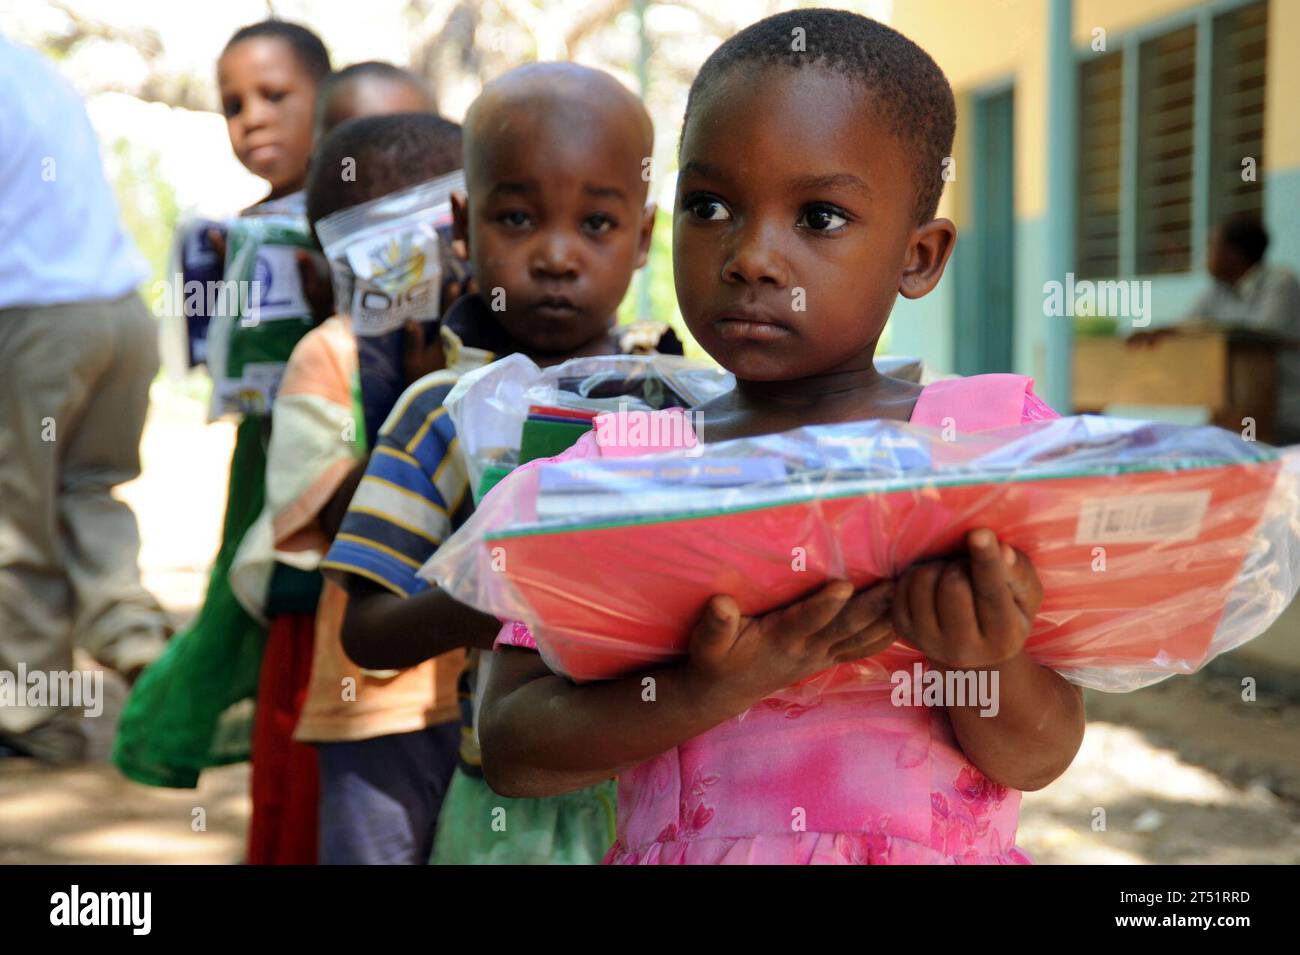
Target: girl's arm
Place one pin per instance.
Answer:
(975, 615)
(542, 735)
(1036, 732)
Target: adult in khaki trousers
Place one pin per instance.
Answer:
(77, 353)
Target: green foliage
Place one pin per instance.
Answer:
(147, 203)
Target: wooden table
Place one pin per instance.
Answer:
(1232, 373)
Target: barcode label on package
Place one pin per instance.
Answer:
(1142, 518)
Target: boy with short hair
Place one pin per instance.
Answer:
(385, 742)
(555, 222)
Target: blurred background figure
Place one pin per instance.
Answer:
(1251, 293)
(77, 353)
(1248, 295)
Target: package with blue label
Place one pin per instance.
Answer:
(201, 268)
(262, 311)
(389, 259)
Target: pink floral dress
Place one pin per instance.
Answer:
(844, 777)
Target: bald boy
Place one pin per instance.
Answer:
(555, 222)
(555, 219)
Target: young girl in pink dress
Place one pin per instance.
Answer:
(810, 176)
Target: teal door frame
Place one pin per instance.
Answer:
(985, 313)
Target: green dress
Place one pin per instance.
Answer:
(478, 827)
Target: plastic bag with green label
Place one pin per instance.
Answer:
(262, 311)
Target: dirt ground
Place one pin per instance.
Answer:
(1182, 772)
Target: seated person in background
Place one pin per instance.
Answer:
(1250, 294)
(1247, 292)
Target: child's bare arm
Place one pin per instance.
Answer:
(331, 515)
(542, 735)
(1034, 735)
(384, 631)
(975, 615)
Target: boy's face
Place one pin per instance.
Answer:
(268, 97)
(555, 219)
(795, 226)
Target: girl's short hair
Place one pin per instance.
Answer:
(909, 92)
(306, 45)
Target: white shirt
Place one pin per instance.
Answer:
(1266, 298)
(60, 236)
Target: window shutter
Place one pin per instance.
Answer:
(1237, 129)
(1101, 102)
(1166, 121)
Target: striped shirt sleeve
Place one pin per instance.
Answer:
(414, 494)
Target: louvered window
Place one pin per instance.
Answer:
(1101, 107)
(1166, 147)
(1237, 127)
(1151, 173)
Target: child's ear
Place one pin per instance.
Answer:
(460, 226)
(931, 246)
(647, 233)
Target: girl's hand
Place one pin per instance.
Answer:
(750, 658)
(969, 614)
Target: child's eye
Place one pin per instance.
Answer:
(707, 208)
(599, 223)
(514, 219)
(231, 107)
(275, 95)
(823, 219)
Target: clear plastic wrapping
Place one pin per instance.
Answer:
(1158, 546)
(262, 314)
(490, 404)
(197, 265)
(388, 260)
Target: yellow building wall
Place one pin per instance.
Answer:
(979, 43)
(1281, 124)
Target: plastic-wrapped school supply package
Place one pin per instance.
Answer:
(262, 311)
(1158, 546)
(199, 265)
(512, 411)
(389, 259)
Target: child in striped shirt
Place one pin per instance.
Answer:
(555, 223)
